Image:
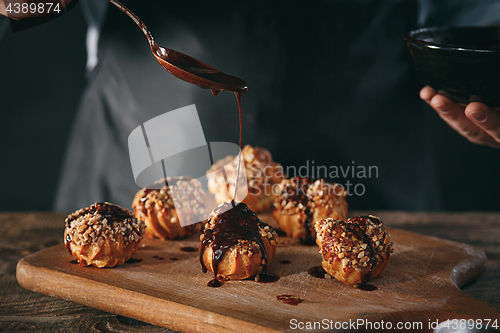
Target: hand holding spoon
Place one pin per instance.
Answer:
(188, 68)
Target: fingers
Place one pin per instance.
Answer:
(453, 114)
(485, 118)
(3, 10)
(478, 123)
(427, 93)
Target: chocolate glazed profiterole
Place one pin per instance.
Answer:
(103, 235)
(303, 201)
(235, 244)
(354, 251)
(156, 207)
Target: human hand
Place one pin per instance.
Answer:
(21, 9)
(477, 122)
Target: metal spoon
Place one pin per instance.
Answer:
(188, 68)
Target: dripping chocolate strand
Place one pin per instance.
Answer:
(238, 99)
(307, 225)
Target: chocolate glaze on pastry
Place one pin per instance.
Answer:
(354, 251)
(103, 235)
(156, 207)
(303, 201)
(235, 244)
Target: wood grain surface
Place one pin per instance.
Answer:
(28, 232)
(418, 286)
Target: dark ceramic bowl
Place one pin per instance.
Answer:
(462, 63)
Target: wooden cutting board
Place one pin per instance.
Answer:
(165, 286)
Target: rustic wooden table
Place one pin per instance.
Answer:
(25, 233)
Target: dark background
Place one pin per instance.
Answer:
(42, 75)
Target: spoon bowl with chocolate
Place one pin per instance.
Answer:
(185, 67)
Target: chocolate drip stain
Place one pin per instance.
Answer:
(188, 249)
(214, 283)
(133, 260)
(266, 278)
(285, 262)
(367, 287)
(232, 225)
(280, 233)
(317, 272)
(308, 242)
(288, 299)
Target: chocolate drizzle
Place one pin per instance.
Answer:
(238, 100)
(298, 193)
(145, 193)
(232, 225)
(357, 227)
(110, 212)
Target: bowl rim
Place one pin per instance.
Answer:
(411, 38)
